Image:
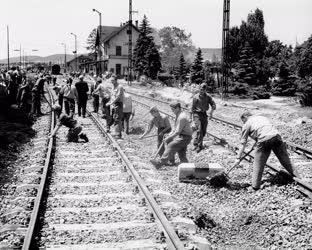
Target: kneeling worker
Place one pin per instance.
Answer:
(268, 138)
(161, 122)
(74, 132)
(177, 141)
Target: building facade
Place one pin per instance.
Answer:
(114, 48)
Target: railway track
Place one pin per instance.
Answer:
(302, 156)
(92, 196)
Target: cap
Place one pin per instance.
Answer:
(175, 104)
(153, 109)
(81, 77)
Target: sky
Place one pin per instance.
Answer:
(43, 25)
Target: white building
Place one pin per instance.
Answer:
(114, 48)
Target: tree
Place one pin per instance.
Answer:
(285, 85)
(91, 40)
(246, 66)
(304, 58)
(146, 55)
(197, 74)
(182, 69)
(174, 41)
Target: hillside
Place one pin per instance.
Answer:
(56, 58)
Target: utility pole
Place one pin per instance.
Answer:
(8, 42)
(75, 52)
(129, 31)
(64, 57)
(99, 45)
(225, 54)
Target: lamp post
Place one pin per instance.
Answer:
(99, 45)
(64, 56)
(75, 52)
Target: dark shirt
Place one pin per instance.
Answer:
(39, 86)
(67, 121)
(201, 103)
(82, 89)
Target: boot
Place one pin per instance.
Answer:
(84, 137)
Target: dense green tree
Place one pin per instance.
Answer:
(285, 84)
(182, 69)
(174, 41)
(246, 66)
(146, 55)
(91, 41)
(304, 58)
(197, 73)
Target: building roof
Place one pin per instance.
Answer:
(211, 54)
(107, 32)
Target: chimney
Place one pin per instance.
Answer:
(136, 23)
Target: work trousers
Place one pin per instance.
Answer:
(96, 103)
(160, 138)
(201, 123)
(69, 105)
(106, 112)
(73, 134)
(262, 153)
(82, 106)
(177, 145)
(117, 118)
(35, 103)
(60, 100)
(125, 121)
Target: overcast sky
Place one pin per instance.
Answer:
(44, 24)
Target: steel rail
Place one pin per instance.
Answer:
(29, 237)
(291, 146)
(299, 181)
(173, 240)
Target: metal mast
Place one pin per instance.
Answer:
(225, 54)
(130, 44)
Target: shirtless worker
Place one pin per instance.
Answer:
(161, 122)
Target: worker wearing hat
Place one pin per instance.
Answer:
(161, 122)
(200, 105)
(178, 139)
(82, 90)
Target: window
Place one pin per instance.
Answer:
(118, 50)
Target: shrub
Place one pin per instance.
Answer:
(305, 87)
(239, 88)
(260, 93)
(166, 78)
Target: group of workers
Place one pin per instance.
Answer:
(117, 108)
(172, 141)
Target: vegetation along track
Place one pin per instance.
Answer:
(93, 199)
(227, 134)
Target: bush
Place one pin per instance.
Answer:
(305, 87)
(166, 78)
(260, 93)
(239, 88)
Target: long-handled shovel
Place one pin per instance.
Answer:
(153, 160)
(220, 179)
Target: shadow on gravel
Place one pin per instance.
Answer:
(279, 179)
(136, 131)
(15, 130)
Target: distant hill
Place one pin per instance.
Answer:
(56, 58)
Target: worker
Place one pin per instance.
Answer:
(95, 95)
(161, 122)
(75, 129)
(116, 103)
(128, 112)
(178, 140)
(200, 105)
(82, 90)
(268, 138)
(37, 93)
(69, 94)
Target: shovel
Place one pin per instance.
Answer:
(153, 160)
(221, 179)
